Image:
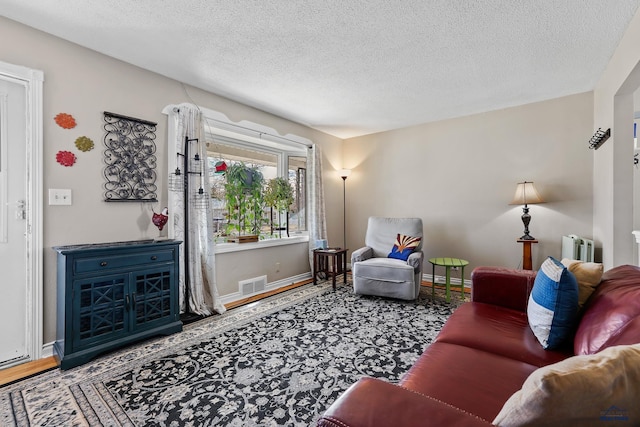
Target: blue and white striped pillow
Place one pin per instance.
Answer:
(553, 304)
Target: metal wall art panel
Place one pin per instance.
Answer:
(130, 158)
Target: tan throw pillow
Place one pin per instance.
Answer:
(588, 274)
(601, 389)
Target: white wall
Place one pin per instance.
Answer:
(459, 175)
(613, 162)
(84, 83)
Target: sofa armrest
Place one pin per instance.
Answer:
(361, 254)
(373, 402)
(501, 286)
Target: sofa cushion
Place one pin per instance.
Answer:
(472, 380)
(375, 402)
(612, 315)
(404, 246)
(588, 275)
(590, 390)
(500, 331)
(553, 304)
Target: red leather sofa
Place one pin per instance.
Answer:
(486, 351)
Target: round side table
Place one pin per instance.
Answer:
(447, 263)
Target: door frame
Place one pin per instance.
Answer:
(32, 80)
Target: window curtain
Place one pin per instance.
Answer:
(317, 217)
(203, 292)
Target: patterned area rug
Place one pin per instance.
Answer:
(281, 362)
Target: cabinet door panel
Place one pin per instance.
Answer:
(101, 305)
(153, 296)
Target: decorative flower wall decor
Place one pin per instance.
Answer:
(65, 121)
(65, 158)
(84, 144)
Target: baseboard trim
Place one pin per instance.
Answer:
(47, 350)
(440, 280)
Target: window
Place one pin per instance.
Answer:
(226, 155)
(297, 174)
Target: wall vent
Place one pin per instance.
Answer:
(252, 286)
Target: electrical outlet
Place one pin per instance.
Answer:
(59, 196)
(277, 267)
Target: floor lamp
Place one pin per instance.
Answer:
(344, 173)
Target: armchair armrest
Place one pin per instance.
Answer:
(415, 260)
(361, 254)
(373, 402)
(501, 286)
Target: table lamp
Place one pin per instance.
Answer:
(526, 194)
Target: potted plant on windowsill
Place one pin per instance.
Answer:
(245, 202)
(279, 196)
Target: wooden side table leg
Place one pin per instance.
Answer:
(315, 268)
(344, 267)
(334, 269)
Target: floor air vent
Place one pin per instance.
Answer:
(252, 286)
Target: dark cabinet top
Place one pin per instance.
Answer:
(115, 245)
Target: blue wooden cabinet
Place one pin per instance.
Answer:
(113, 294)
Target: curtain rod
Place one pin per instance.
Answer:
(259, 132)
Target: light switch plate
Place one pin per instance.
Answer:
(59, 196)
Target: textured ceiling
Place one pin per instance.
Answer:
(350, 68)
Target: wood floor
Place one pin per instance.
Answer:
(255, 298)
(26, 370)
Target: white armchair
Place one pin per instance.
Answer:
(374, 273)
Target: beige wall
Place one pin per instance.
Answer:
(84, 83)
(613, 162)
(459, 176)
(233, 267)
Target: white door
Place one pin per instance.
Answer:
(20, 214)
(13, 231)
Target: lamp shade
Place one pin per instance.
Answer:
(345, 173)
(526, 194)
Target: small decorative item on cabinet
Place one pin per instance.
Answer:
(160, 219)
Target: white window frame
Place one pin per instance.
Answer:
(256, 136)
